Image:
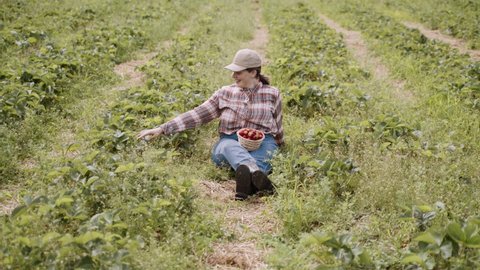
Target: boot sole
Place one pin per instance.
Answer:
(243, 179)
(261, 182)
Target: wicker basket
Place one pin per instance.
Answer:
(250, 145)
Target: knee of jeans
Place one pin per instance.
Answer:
(223, 145)
(216, 159)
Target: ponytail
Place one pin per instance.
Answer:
(264, 79)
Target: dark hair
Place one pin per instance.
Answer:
(264, 79)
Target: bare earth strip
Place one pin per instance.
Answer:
(437, 35)
(367, 60)
(128, 71)
(248, 221)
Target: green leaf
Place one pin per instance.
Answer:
(470, 230)
(32, 40)
(25, 241)
(66, 239)
(125, 168)
(413, 258)
(81, 168)
(474, 220)
(365, 258)
(25, 220)
(120, 225)
(160, 203)
(455, 231)
(315, 238)
(91, 180)
(64, 201)
(426, 237)
(473, 242)
(142, 210)
(19, 210)
(90, 157)
(65, 251)
(48, 237)
(87, 237)
(73, 147)
(424, 208)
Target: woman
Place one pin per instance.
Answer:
(249, 103)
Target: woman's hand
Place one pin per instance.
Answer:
(149, 134)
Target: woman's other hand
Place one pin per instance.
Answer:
(149, 134)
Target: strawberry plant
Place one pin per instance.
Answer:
(454, 18)
(452, 73)
(327, 133)
(455, 245)
(389, 129)
(313, 66)
(336, 251)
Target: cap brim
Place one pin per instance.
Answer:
(234, 67)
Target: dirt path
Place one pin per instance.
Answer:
(367, 60)
(128, 71)
(247, 221)
(437, 35)
(260, 37)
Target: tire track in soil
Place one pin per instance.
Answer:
(356, 45)
(437, 35)
(248, 221)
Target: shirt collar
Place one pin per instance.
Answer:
(254, 89)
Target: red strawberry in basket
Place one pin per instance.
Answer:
(250, 134)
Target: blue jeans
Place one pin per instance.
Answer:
(228, 151)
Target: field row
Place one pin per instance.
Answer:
(364, 181)
(364, 162)
(112, 201)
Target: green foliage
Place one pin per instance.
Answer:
(52, 68)
(452, 74)
(340, 250)
(103, 207)
(313, 66)
(423, 214)
(109, 201)
(454, 18)
(454, 246)
(327, 133)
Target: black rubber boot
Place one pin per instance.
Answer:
(243, 179)
(262, 183)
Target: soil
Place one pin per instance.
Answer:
(437, 35)
(248, 221)
(128, 71)
(367, 60)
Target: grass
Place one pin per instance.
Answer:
(389, 178)
(440, 166)
(76, 106)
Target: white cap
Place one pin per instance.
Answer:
(245, 58)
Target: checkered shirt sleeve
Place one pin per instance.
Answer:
(259, 108)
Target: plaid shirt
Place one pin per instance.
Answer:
(259, 108)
